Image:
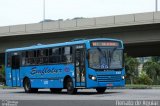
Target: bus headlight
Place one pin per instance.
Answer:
(123, 77)
(92, 77)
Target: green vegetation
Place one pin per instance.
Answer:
(137, 86)
(150, 74)
(141, 86)
(3, 87)
(152, 69)
(131, 66)
(2, 73)
(144, 79)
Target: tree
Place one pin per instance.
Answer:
(131, 66)
(2, 73)
(144, 79)
(152, 69)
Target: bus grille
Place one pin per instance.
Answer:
(108, 78)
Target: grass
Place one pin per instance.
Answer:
(141, 86)
(7, 87)
(3, 87)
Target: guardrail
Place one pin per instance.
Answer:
(80, 24)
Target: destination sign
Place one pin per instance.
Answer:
(105, 43)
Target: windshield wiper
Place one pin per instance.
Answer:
(111, 54)
(104, 55)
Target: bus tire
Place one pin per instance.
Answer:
(100, 90)
(70, 87)
(27, 86)
(55, 90)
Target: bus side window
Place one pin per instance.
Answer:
(23, 62)
(42, 56)
(15, 61)
(32, 57)
(8, 59)
(45, 56)
(39, 54)
(67, 54)
(55, 55)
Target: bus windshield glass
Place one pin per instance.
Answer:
(103, 58)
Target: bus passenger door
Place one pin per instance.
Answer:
(15, 70)
(80, 71)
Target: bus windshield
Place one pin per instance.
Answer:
(103, 58)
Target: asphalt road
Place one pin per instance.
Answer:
(86, 97)
(85, 94)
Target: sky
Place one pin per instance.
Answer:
(14, 12)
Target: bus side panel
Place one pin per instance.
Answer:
(47, 76)
(46, 83)
(8, 76)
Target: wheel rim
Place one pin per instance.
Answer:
(70, 86)
(27, 85)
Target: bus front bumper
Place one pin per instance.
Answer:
(96, 84)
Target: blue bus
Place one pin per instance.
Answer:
(78, 64)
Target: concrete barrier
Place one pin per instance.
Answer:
(33, 27)
(124, 19)
(85, 22)
(144, 17)
(51, 25)
(17, 28)
(5, 29)
(105, 20)
(68, 24)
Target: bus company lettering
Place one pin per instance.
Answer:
(46, 70)
(66, 69)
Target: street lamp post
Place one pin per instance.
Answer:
(156, 5)
(44, 6)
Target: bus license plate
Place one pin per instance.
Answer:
(109, 84)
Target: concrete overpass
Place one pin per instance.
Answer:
(140, 32)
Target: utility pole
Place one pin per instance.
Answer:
(44, 11)
(156, 5)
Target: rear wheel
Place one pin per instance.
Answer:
(100, 90)
(27, 87)
(70, 87)
(55, 90)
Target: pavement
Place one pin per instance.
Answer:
(85, 94)
(85, 97)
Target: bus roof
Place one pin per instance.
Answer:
(39, 46)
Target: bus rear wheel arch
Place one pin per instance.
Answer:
(69, 85)
(27, 86)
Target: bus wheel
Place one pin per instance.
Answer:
(55, 90)
(100, 90)
(70, 87)
(27, 87)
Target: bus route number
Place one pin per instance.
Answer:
(79, 47)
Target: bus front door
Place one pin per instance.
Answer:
(15, 70)
(80, 67)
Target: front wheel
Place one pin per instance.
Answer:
(100, 90)
(70, 87)
(27, 87)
